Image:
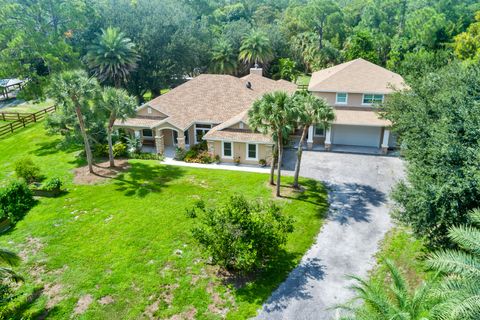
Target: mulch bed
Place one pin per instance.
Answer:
(102, 172)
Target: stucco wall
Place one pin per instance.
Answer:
(240, 149)
(354, 99)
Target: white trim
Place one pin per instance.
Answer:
(223, 150)
(386, 138)
(237, 141)
(374, 94)
(195, 129)
(336, 98)
(328, 136)
(311, 132)
(256, 151)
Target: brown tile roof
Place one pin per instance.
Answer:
(138, 123)
(360, 118)
(356, 76)
(214, 98)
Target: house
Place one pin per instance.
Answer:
(352, 89)
(209, 107)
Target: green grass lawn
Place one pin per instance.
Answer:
(118, 239)
(28, 107)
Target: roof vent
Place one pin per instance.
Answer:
(248, 85)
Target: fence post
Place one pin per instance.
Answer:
(11, 127)
(3, 116)
(18, 116)
(34, 117)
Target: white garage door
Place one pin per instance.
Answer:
(356, 135)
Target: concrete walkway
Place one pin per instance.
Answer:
(358, 219)
(221, 166)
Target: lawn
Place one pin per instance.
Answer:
(28, 107)
(124, 248)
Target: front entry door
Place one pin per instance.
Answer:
(175, 137)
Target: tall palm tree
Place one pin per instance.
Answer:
(75, 91)
(9, 259)
(310, 111)
(256, 48)
(397, 301)
(460, 289)
(120, 105)
(273, 114)
(224, 59)
(113, 57)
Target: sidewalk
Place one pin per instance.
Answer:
(221, 166)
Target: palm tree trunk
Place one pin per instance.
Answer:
(299, 157)
(274, 162)
(109, 138)
(88, 150)
(280, 156)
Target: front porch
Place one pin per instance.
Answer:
(161, 140)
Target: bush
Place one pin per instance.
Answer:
(180, 154)
(241, 235)
(27, 170)
(262, 162)
(53, 184)
(146, 156)
(119, 150)
(15, 201)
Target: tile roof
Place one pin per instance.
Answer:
(138, 123)
(214, 98)
(238, 135)
(356, 76)
(360, 118)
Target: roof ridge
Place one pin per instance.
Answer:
(340, 67)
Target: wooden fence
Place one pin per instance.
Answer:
(21, 120)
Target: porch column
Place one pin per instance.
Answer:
(328, 139)
(181, 140)
(211, 148)
(159, 141)
(138, 136)
(386, 137)
(311, 133)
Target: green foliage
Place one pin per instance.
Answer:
(467, 44)
(441, 146)
(16, 199)
(241, 235)
(361, 45)
(113, 57)
(134, 144)
(287, 70)
(53, 185)
(224, 58)
(460, 288)
(395, 300)
(119, 150)
(180, 154)
(26, 169)
(256, 48)
(146, 156)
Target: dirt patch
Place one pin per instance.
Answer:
(83, 303)
(286, 191)
(187, 315)
(102, 172)
(218, 305)
(52, 292)
(106, 300)
(151, 309)
(31, 247)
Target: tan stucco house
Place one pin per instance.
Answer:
(210, 107)
(352, 89)
(215, 108)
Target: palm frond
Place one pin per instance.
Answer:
(457, 262)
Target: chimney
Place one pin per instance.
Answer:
(256, 70)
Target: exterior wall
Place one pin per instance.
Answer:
(238, 126)
(167, 137)
(155, 113)
(354, 99)
(240, 150)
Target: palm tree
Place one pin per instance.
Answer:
(256, 48)
(273, 114)
(113, 57)
(75, 91)
(397, 301)
(460, 289)
(9, 259)
(120, 105)
(224, 59)
(311, 110)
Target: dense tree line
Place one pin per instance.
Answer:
(176, 39)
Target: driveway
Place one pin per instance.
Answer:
(358, 219)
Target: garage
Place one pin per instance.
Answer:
(356, 135)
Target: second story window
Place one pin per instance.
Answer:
(342, 98)
(372, 98)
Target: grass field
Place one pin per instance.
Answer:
(28, 107)
(110, 251)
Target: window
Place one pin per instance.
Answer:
(147, 133)
(200, 131)
(342, 98)
(372, 98)
(227, 151)
(252, 151)
(319, 130)
(149, 110)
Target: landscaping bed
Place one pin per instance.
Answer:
(124, 249)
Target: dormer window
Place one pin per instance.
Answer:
(369, 98)
(342, 98)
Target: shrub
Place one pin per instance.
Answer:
(241, 235)
(15, 201)
(134, 145)
(27, 170)
(119, 150)
(146, 156)
(262, 162)
(180, 154)
(53, 184)
(217, 158)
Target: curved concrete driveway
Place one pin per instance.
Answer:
(358, 219)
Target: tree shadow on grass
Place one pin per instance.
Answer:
(295, 287)
(311, 191)
(52, 147)
(142, 178)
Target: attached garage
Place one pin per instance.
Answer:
(356, 135)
